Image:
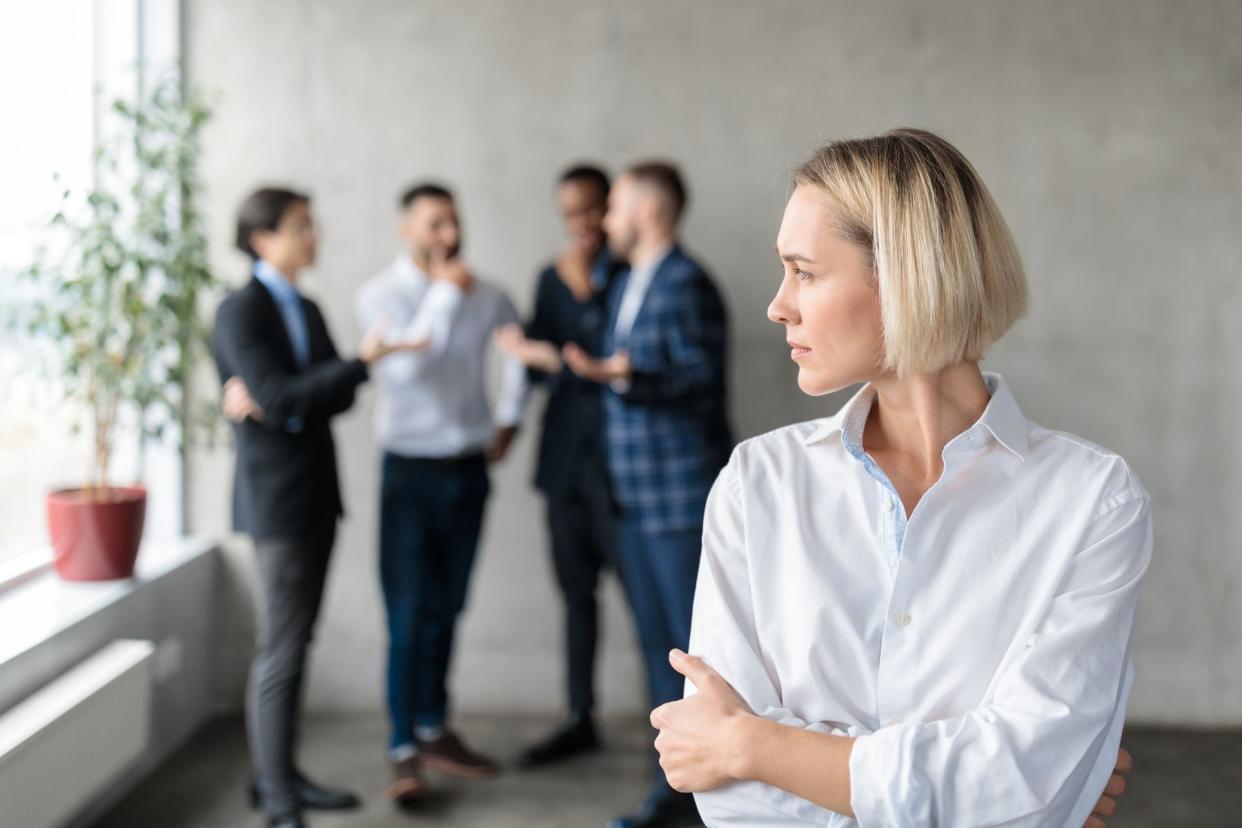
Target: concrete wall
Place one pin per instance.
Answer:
(1108, 132)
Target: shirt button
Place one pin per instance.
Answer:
(903, 619)
(888, 504)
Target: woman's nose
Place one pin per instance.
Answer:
(782, 310)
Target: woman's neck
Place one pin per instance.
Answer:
(913, 419)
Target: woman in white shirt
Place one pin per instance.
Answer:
(917, 611)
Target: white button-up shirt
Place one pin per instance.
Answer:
(434, 403)
(979, 651)
(636, 287)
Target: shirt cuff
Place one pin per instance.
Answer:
(434, 314)
(446, 293)
(876, 795)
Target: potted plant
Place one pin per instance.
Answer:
(115, 315)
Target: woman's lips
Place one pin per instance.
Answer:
(796, 350)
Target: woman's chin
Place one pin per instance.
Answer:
(817, 383)
(811, 384)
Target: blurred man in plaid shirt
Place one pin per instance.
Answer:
(667, 431)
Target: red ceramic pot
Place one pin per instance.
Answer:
(96, 532)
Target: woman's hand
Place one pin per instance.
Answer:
(705, 742)
(699, 743)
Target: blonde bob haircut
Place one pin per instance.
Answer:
(948, 273)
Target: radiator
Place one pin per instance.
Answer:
(60, 747)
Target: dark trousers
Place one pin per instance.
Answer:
(582, 524)
(431, 514)
(291, 579)
(659, 570)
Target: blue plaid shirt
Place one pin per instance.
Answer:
(667, 432)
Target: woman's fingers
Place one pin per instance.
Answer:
(692, 667)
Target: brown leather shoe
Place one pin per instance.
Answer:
(407, 781)
(448, 755)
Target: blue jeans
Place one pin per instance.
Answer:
(431, 513)
(659, 570)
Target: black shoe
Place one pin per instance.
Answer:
(575, 737)
(669, 810)
(286, 821)
(313, 797)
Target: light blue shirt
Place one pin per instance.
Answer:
(894, 511)
(289, 302)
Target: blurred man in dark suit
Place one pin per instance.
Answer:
(572, 470)
(283, 384)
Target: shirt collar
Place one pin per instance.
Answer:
(648, 270)
(1002, 418)
(850, 418)
(276, 283)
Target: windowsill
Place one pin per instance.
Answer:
(43, 605)
(20, 567)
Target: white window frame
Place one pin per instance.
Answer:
(130, 40)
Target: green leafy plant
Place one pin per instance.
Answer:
(116, 310)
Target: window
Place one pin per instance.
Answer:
(63, 61)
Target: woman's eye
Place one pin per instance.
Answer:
(801, 274)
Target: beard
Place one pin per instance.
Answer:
(621, 246)
(434, 251)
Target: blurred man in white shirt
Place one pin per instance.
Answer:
(437, 431)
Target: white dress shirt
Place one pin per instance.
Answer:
(434, 403)
(636, 287)
(979, 652)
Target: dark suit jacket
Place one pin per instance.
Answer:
(573, 427)
(285, 481)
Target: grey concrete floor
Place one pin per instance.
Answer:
(202, 785)
(1181, 778)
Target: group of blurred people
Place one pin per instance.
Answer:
(628, 337)
(917, 610)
